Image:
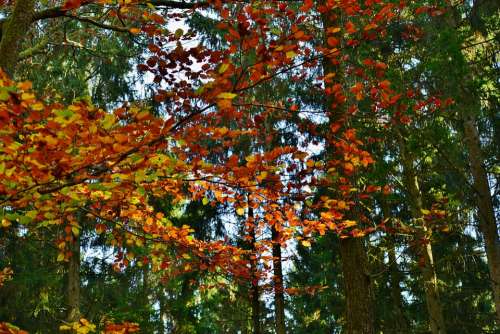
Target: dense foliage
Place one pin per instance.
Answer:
(323, 166)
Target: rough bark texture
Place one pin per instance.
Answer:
(357, 287)
(357, 281)
(487, 223)
(254, 289)
(434, 308)
(279, 298)
(13, 32)
(73, 283)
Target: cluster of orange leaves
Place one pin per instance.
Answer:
(80, 327)
(58, 160)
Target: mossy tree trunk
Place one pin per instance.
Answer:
(13, 32)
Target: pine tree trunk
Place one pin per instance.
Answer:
(163, 311)
(254, 290)
(487, 223)
(401, 324)
(434, 308)
(357, 287)
(357, 281)
(279, 298)
(73, 283)
(13, 32)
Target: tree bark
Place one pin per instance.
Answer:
(486, 212)
(397, 299)
(73, 283)
(162, 311)
(13, 32)
(357, 281)
(401, 324)
(254, 290)
(279, 298)
(357, 287)
(434, 308)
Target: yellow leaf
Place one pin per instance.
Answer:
(75, 230)
(251, 158)
(306, 243)
(27, 96)
(205, 201)
(186, 256)
(240, 211)
(425, 211)
(291, 54)
(223, 68)
(60, 257)
(10, 171)
(64, 328)
(37, 106)
(349, 223)
(108, 121)
(6, 223)
(226, 95)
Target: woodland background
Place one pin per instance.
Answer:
(340, 175)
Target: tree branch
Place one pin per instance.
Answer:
(98, 24)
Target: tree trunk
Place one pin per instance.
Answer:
(487, 223)
(279, 298)
(486, 212)
(357, 281)
(162, 311)
(73, 283)
(401, 324)
(254, 290)
(357, 287)
(13, 32)
(433, 302)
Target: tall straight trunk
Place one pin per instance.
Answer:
(400, 324)
(13, 32)
(357, 280)
(434, 308)
(357, 287)
(470, 100)
(162, 311)
(254, 289)
(73, 283)
(279, 298)
(487, 221)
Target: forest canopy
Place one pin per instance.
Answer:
(197, 167)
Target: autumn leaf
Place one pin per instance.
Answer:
(227, 95)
